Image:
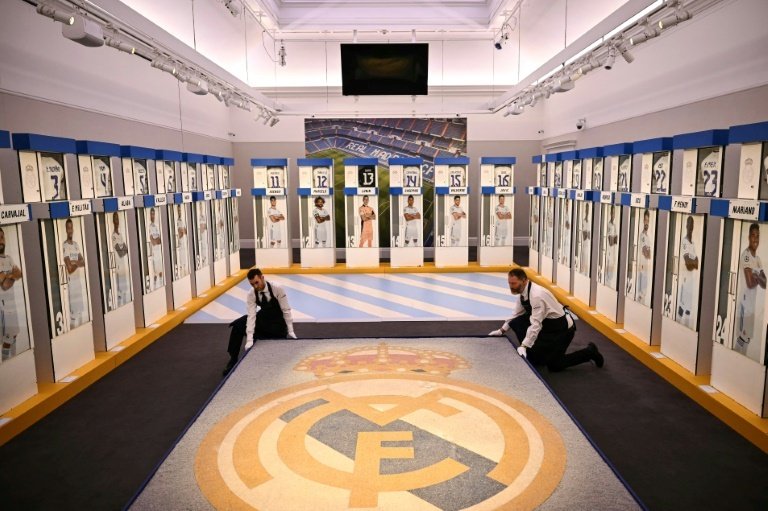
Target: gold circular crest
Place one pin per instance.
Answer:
(382, 441)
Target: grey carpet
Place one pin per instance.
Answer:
(493, 364)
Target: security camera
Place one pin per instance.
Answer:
(581, 124)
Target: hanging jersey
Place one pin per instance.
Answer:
(54, 181)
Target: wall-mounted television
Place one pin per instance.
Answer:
(384, 69)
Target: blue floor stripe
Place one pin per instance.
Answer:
(203, 317)
(233, 303)
(458, 284)
(361, 297)
(460, 305)
(485, 278)
(320, 308)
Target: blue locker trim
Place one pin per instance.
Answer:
(592, 152)
(405, 161)
(626, 199)
(488, 189)
(132, 151)
(719, 207)
(590, 195)
(315, 162)
(5, 139)
(572, 194)
(700, 139)
(198, 196)
(763, 215)
(442, 190)
(617, 149)
(461, 160)
(178, 198)
(537, 158)
(262, 192)
(99, 148)
(595, 196)
(215, 160)
(193, 157)
(148, 201)
(110, 204)
(218, 194)
(653, 145)
(553, 192)
(569, 155)
(227, 161)
(665, 202)
(553, 157)
(268, 162)
(498, 160)
(395, 190)
(304, 191)
(514, 189)
(166, 155)
(44, 143)
(59, 209)
(757, 132)
(361, 161)
(350, 191)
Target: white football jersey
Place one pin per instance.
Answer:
(54, 180)
(140, 175)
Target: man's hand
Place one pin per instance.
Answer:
(496, 333)
(248, 345)
(522, 351)
(291, 335)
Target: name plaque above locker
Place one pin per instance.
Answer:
(360, 191)
(182, 198)
(14, 214)
(677, 203)
(741, 209)
(532, 190)
(585, 195)
(236, 192)
(198, 196)
(111, 204)
(561, 193)
(545, 192)
(606, 197)
(639, 200)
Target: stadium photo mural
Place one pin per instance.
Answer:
(384, 139)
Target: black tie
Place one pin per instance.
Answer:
(263, 297)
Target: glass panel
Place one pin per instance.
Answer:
(14, 327)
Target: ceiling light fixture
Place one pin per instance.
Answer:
(625, 54)
(165, 65)
(563, 85)
(57, 15)
(274, 121)
(115, 42)
(196, 86)
(648, 32)
(611, 59)
(673, 19)
(232, 7)
(84, 31)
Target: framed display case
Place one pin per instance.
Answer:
(406, 207)
(452, 211)
(497, 204)
(270, 213)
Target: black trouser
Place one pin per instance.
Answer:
(551, 344)
(264, 330)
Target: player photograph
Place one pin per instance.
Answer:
(276, 226)
(501, 223)
(749, 334)
(153, 267)
(365, 232)
(319, 220)
(75, 306)
(202, 235)
(14, 331)
(456, 222)
(564, 249)
(682, 282)
(114, 259)
(220, 238)
(609, 246)
(549, 226)
(642, 235)
(178, 221)
(583, 244)
(411, 230)
(534, 225)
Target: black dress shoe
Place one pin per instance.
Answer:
(597, 358)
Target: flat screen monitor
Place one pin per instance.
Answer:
(384, 69)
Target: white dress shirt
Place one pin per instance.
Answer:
(282, 299)
(544, 305)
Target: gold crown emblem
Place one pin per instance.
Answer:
(382, 358)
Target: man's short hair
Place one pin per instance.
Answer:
(754, 227)
(272, 197)
(518, 273)
(253, 272)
